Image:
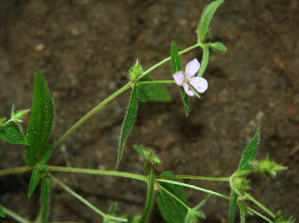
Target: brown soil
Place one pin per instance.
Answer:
(84, 50)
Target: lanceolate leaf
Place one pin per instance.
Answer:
(206, 18)
(33, 181)
(2, 213)
(45, 199)
(41, 120)
(128, 122)
(249, 152)
(171, 209)
(152, 92)
(176, 64)
(12, 134)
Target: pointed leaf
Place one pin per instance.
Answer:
(232, 207)
(185, 99)
(152, 92)
(46, 154)
(176, 64)
(171, 209)
(206, 18)
(12, 134)
(218, 46)
(2, 120)
(45, 198)
(2, 213)
(149, 199)
(250, 152)
(41, 120)
(139, 150)
(128, 122)
(33, 181)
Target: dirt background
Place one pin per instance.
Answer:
(85, 49)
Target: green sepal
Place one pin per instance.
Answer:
(11, 134)
(35, 176)
(135, 71)
(148, 154)
(45, 198)
(171, 209)
(45, 156)
(268, 168)
(128, 121)
(218, 46)
(41, 120)
(205, 19)
(185, 100)
(149, 199)
(151, 92)
(2, 213)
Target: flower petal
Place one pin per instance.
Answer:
(192, 67)
(179, 77)
(199, 83)
(188, 90)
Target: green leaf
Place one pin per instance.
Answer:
(2, 213)
(45, 198)
(250, 152)
(128, 122)
(46, 154)
(139, 150)
(247, 156)
(12, 134)
(232, 207)
(151, 92)
(176, 64)
(2, 120)
(218, 46)
(185, 99)
(171, 209)
(149, 199)
(205, 19)
(41, 120)
(33, 180)
(204, 60)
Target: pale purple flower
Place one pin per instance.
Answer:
(198, 83)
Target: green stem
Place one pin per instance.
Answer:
(14, 215)
(157, 82)
(259, 214)
(195, 177)
(260, 205)
(87, 203)
(15, 170)
(90, 113)
(97, 172)
(194, 187)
